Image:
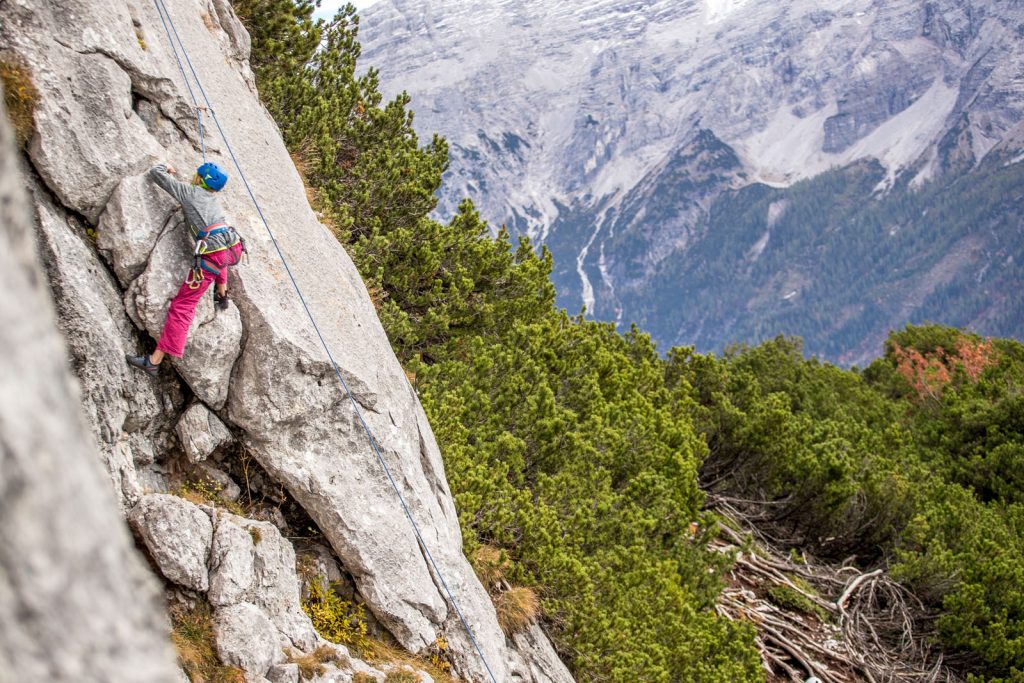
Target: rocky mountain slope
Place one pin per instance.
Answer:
(254, 393)
(616, 133)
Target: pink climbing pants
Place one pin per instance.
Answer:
(183, 305)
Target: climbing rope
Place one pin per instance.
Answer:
(162, 10)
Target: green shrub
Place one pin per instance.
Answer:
(334, 618)
(789, 599)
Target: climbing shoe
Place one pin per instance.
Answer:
(221, 302)
(143, 363)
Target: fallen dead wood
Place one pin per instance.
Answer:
(836, 622)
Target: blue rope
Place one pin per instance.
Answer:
(199, 112)
(323, 342)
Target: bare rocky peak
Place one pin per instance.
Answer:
(551, 101)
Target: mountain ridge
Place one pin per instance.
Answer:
(596, 106)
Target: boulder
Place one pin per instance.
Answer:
(251, 562)
(201, 432)
(246, 638)
(134, 218)
(284, 673)
(178, 536)
(538, 660)
(227, 488)
(275, 586)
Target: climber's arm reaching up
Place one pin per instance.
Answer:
(161, 175)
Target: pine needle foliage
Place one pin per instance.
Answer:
(575, 450)
(913, 463)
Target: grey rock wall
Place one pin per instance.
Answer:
(76, 603)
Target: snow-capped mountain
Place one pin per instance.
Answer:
(611, 131)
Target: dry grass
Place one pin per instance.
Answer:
(490, 564)
(211, 25)
(312, 665)
(301, 159)
(363, 678)
(192, 636)
(518, 607)
(376, 652)
(402, 676)
(377, 295)
(20, 96)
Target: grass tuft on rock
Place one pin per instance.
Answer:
(402, 676)
(20, 97)
(518, 607)
(193, 639)
(312, 665)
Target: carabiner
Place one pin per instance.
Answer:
(194, 278)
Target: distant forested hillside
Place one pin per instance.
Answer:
(839, 262)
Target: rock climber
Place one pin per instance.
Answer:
(217, 247)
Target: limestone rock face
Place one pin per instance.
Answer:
(201, 432)
(230, 558)
(275, 586)
(231, 564)
(127, 412)
(178, 536)
(112, 103)
(284, 673)
(246, 638)
(76, 603)
(539, 661)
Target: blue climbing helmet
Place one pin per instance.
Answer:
(212, 176)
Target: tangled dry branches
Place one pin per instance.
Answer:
(837, 623)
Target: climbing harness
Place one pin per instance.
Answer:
(162, 10)
(215, 238)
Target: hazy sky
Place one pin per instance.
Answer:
(329, 7)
